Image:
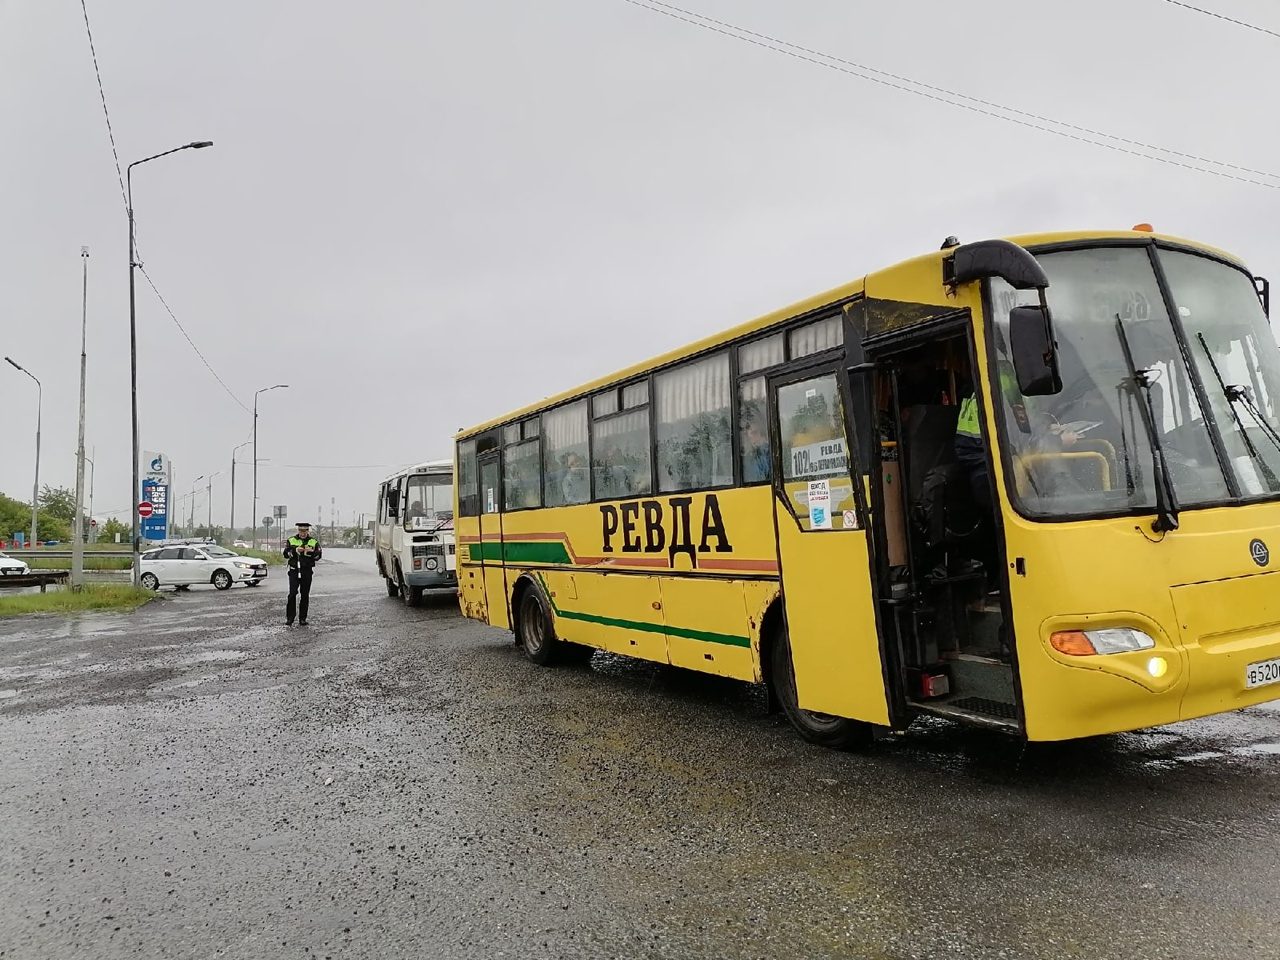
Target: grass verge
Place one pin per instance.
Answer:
(273, 557)
(90, 563)
(94, 596)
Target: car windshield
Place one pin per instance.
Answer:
(1086, 451)
(428, 497)
(220, 552)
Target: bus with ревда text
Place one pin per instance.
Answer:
(1027, 484)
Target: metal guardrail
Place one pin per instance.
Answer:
(41, 580)
(58, 553)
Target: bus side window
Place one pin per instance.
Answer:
(468, 481)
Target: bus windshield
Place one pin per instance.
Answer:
(1086, 451)
(428, 497)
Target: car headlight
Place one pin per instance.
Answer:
(1086, 643)
(243, 566)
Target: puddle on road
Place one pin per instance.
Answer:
(6, 694)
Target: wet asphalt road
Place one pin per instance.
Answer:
(197, 780)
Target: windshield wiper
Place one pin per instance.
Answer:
(1141, 380)
(1237, 394)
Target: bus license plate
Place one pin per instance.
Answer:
(1262, 673)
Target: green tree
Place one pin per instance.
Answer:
(111, 528)
(58, 502)
(14, 516)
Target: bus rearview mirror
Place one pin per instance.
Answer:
(1035, 355)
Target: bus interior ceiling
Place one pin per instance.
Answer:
(941, 571)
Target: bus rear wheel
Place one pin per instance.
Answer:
(534, 629)
(835, 733)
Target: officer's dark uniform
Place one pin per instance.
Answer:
(302, 551)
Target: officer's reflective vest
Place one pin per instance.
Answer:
(968, 424)
(297, 543)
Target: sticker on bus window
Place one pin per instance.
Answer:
(820, 504)
(488, 500)
(850, 520)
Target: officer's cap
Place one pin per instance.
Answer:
(303, 523)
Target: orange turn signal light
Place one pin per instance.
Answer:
(1144, 228)
(1073, 643)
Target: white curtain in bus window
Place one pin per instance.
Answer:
(815, 465)
(816, 337)
(620, 455)
(761, 354)
(695, 439)
(468, 479)
(753, 420)
(564, 455)
(523, 481)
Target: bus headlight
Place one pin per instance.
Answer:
(431, 563)
(1086, 643)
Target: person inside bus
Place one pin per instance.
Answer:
(416, 511)
(755, 451)
(574, 485)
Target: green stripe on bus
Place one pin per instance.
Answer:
(518, 552)
(706, 636)
(639, 625)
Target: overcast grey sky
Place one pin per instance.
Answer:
(421, 214)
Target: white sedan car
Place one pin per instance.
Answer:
(11, 566)
(183, 567)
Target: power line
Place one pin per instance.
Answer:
(164, 303)
(1220, 16)
(105, 112)
(963, 101)
(976, 100)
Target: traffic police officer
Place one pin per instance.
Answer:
(302, 551)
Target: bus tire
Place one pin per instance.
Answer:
(835, 733)
(392, 589)
(535, 633)
(410, 595)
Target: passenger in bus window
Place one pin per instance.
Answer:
(575, 485)
(755, 451)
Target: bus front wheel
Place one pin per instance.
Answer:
(836, 733)
(392, 589)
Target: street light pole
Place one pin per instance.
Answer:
(35, 486)
(93, 531)
(233, 487)
(77, 543)
(278, 386)
(133, 346)
(209, 525)
(191, 508)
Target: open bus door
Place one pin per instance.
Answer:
(824, 552)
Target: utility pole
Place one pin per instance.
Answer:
(77, 541)
(278, 386)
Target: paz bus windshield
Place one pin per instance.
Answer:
(428, 497)
(1086, 451)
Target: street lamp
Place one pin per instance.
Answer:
(93, 531)
(278, 386)
(35, 486)
(191, 508)
(209, 525)
(233, 487)
(133, 345)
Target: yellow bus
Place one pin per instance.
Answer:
(1026, 484)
